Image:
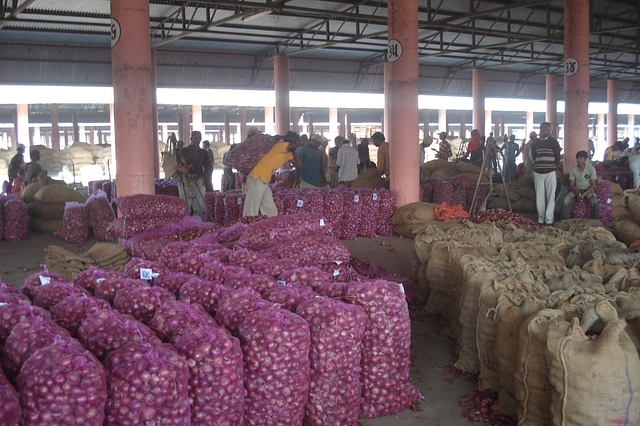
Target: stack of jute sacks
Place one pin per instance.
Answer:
(550, 319)
(627, 229)
(101, 255)
(46, 200)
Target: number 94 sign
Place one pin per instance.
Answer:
(571, 66)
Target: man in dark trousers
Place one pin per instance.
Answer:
(545, 152)
(191, 174)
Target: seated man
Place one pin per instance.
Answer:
(582, 183)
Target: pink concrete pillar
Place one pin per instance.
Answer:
(385, 119)
(576, 79)
(342, 124)
(402, 93)
(132, 85)
(551, 89)
(186, 125)
(478, 89)
(333, 123)
(22, 126)
(310, 127)
(488, 123)
(295, 120)
(442, 121)
(281, 86)
(600, 130)
(425, 122)
(612, 116)
(631, 127)
(463, 125)
(154, 115)
(243, 123)
(196, 117)
(528, 126)
(269, 125)
(227, 129)
(55, 129)
(92, 135)
(112, 138)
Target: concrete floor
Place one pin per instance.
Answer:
(430, 351)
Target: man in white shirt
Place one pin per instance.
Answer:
(582, 183)
(347, 164)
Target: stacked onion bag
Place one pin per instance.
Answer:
(142, 211)
(16, 219)
(75, 222)
(100, 215)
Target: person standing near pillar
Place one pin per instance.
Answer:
(208, 177)
(545, 152)
(384, 160)
(347, 164)
(363, 154)
(16, 165)
(312, 174)
(191, 173)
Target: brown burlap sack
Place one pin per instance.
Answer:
(616, 201)
(499, 203)
(58, 194)
(616, 189)
(491, 295)
(444, 172)
(528, 192)
(573, 226)
(414, 214)
(369, 178)
(626, 231)
(473, 176)
(433, 165)
(48, 211)
(624, 279)
(595, 382)
(30, 191)
(534, 253)
(629, 306)
(620, 213)
(44, 226)
(524, 205)
(598, 267)
(433, 233)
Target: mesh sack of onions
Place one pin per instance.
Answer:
(210, 202)
(428, 187)
(388, 201)
(48, 295)
(10, 409)
(107, 288)
(352, 210)
(217, 271)
(72, 310)
(172, 281)
(205, 293)
(75, 222)
(581, 209)
(459, 197)
(385, 352)
(603, 192)
(231, 233)
(88, 278)
(244, 257)
(234, 307)
(27, 336)
(219, 208)
(147, 384)
(275, 344)
(16, 220)
(129, 227)
(232, 212)
(480, 197)
(7, 288)
(257, 282)
(315, 202)
(190, 264)
(337, 271)
(337, 330)
(12, 297)
(275, 230)
(313, 249)
(106, 330)
(333, 290)
(333, 210)
(309, 276)
(274, 268)
(179, 248)
(37, 279)
(443, 193)
(107, 188)
(174, 318)
(368, 221)
(295, 203)
(216, 389)
(12, 313)
(279, 202)
(62, 384)
(288, 297)
(501, 215)
(135, 264)
(141, 302)
(141, 206)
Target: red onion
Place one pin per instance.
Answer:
(101, 215)
(72, 310)
(206, 293)
(107, 288)
(315, 202)
(16, 220)
(313, 249)
(275, 343)
(62, 384)
(37, 279)
(273, 268)
(234, 307)
(75, 223)
(106, 330)
(501, 215)
(336, 330)
(175, 317)
(88, 278)
(388, 202)
(10, 409)
(48, 295)
(148, 384)
(141, 302)
(275, 230)
(143, 206)
(12, 313)
(333, 210)
(386, 355)
(29, 335)
(218, 208)
(216, 390)
(443, 193)
(288, 296)
(309, 276)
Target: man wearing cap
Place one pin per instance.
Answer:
(347, 164)
(444, 148)
(312, 173)
(259, 198)
(383, 162)
(16, 167)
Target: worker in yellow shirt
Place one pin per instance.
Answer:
(259, 198)
(384, 160)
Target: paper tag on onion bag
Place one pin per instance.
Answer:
(321, 222)
(44, 280)
(146, 274)
(401, 288)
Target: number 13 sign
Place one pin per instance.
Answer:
(395, 50)
(571, 66)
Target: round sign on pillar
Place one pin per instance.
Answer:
(394, 50)
(571, 66)
(115, 32)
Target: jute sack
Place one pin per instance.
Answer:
(444, 172)
(620, 213)
(476, 272)
(576, 225)
(595, 382)
(517, 308)
(624, 279)
(626, 231)
(513, 232)
(598, 267)
(629, 306)
(44, 226)
(524, 205)
(58, 194)
(433, 165)
(431, 234)
(534, 254)
(499, 203)
(48, 211)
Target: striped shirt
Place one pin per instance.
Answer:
(546, 155)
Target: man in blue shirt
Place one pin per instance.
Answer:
(509, 152)
(312, 171)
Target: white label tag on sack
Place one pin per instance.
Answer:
(356, 198)
(338, 262)
(3, 304)
(146, 274)
(336, 272)
(321, 222)
(99, 280)
(609, 200)
(239, 201)
(375, 196)
(44, 280)
(281, 282)
(401, 288)
(155, 275)
(300, 203)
